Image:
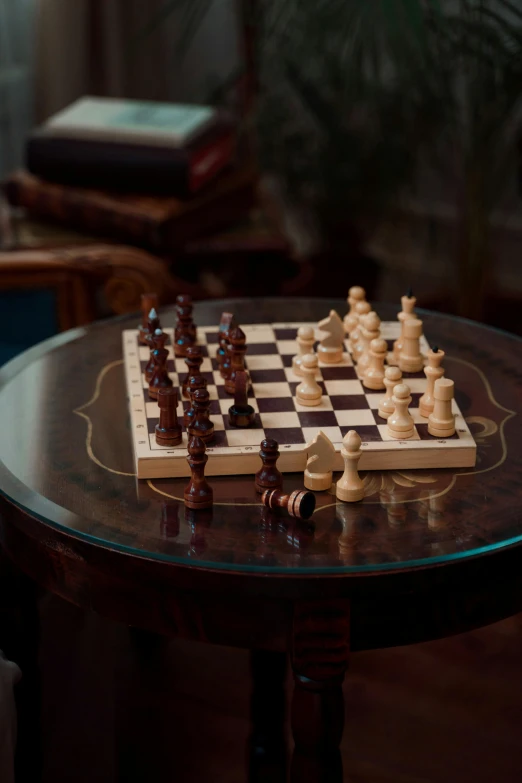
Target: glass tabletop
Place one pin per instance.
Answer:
(67, 459)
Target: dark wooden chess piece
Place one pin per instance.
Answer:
(185, 331)
(268, 477)
(154, 341)
(193, 360)
(222, 354)
(241, 413)
(201, 424)
(160, 376)
(168, 430)
(299, 504)
(198, 493)
(238, 348)
(153, 321)
(196, 382)
(148, 302)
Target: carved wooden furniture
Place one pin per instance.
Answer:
(425, 554)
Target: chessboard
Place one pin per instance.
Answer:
(346, 404)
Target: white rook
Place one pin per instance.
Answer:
(441, 423)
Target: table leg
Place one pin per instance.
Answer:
(267, 745)
(320, 650)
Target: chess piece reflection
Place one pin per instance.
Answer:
(170, 520)
(199, 521)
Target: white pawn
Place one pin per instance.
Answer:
(410, 357)
(350, 487)
(305, 343)
(400, 422)
(309, 392)
(373, 378)
(355, 294)
(361, 309)
(392, 377)
(432, 371)
(370, 330)
(441, 423)
(408, 303)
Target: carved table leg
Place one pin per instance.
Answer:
(267, 751)
(320, 650)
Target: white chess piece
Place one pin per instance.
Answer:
(355, 294)
(309, 392)
(407, 303)
(441, 423)
(410, 357)
(370, 329)
(305, 343)
(432, 371)
(331, 337)
(392, 377)
(400, 422)
(373, 377)
(319, 464)
(361, 309)
(350, 487)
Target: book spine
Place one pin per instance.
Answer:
(80, 210)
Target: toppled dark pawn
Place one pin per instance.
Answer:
(201, 424)
(198, 492)
(168, 430)
(196, 382)
(268, 476)
(193, 360)
(185, 331)
(299, 504)
(154, 341)
(160, 377)
(238, 348)
(241, 413)
(148, 303)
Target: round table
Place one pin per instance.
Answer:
(427, 553)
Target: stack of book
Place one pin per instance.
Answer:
(152, 174)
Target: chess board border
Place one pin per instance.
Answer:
(154, 461)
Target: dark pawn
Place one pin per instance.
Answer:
(222, 354)
(268, 477)
(299, 504)
(185, 332)
(193, 360)
(168, 430)
(238, 349)
(154, 341)
(160, 376)
(196, 382)
(241, 413)
(148, 302)
(201, 424)
(198, 493)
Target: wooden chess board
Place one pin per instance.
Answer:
(345, 405)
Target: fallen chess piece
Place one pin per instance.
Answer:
(241, 413)
(350, 487)
(268, 476)
(198, 492)
(299, 504)
(319, 464)
(441, 423)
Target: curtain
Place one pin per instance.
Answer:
(16, 79)
(91, 47)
